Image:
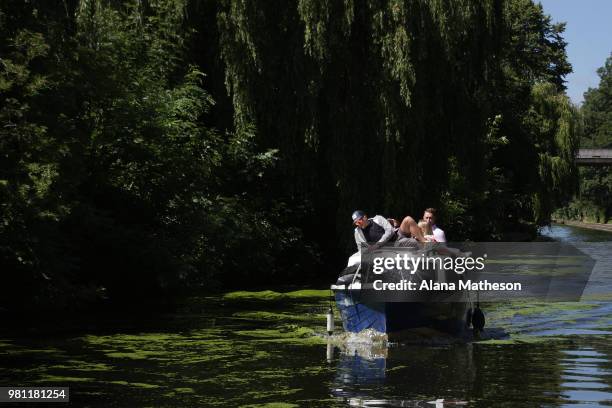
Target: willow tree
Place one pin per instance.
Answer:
(365, 101)
(556, 128)
(532, 64)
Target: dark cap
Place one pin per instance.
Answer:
(357, 214)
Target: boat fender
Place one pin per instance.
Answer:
(330, 321)
(478, 320)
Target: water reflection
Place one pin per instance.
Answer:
(402, 376)
(475, 375)
(586, 377)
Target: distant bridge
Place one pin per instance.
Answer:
(594, 157)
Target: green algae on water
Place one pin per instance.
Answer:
(596, 297)
(271, 295)
(78, 365)
(279, 391)
(271, 316)
(47, 378)
(271, 405)
(308, 293)
(284, 334)
(185, 390)
(143, 385)
(227, 380)
(289, 331)
(140, 355)
(48, 351)
(506, 311)
(135, 384)
(523, 339)
(189, 348)
(273, 373)
(245, 295)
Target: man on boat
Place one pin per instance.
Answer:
(429, 215)
(377, 231)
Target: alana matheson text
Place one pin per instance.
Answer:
(442, 286)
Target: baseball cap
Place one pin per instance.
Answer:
(357, 214)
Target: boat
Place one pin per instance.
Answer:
(399, 312)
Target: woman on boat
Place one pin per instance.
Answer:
(442, 248)
(426, 230)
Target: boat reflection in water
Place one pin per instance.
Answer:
(366, 377)
(360, 365)
(574, 372)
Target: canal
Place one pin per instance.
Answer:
(268, 349)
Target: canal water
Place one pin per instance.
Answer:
(269, 349)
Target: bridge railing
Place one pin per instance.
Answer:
(589, 157)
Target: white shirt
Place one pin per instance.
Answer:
(438, 234)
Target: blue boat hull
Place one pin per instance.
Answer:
(395, 317)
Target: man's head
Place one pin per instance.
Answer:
(429, 215)
(360, 219)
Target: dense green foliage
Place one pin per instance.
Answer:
(111, 181)
(168, 144)
(597, 110)
(594, 201)
(396, 106)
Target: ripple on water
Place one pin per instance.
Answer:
(586, 376)
(583, 352)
